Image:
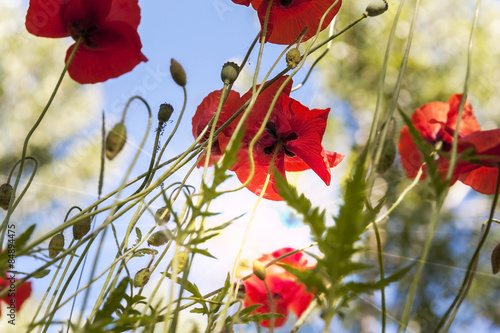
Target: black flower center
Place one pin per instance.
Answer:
(286, 3)
(271, 129)
(78, 31)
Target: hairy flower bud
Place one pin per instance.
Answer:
(259, 270)
(81, 228)
(293, 58)
(159, 238)
(162, 215)
(387, 157)
(115, 140)
(181, 260)
(141, 278)
(56, 245)
(177, 72)
(229, 72)
(165, 112)
(5, 194)
(377, 7)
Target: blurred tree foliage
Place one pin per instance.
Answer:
(436, 69)
(67, 143)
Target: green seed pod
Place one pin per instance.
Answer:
(495, 259)
(259, 270)
(56, 245)
(141, 278)
(5, 194)
(377, 7)
(229, 72)
(293, 58)
(159, 238)
(162, 216)
(81, 228)
(165, 112)
(178, 73)
(387, 157)
(115, 140)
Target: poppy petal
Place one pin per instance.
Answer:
(43, 19)
(127, 11)
(468, 122)
(482, 179)
(117, 51)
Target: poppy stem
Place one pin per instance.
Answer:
(28, 137)
(271, 307)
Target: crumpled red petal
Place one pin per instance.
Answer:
(43, 19)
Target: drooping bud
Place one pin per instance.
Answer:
(115, 140)
(241, 293)
(41, 274)
(387, 157)
(293, 58)
(377, 7)
(181, 260)
(81, 228)
(495, 259)
(165, 112)
(162, 215)
(259, 270)
(141, 278)
(229, 72)
(5, 194)
(177, 72)
(159, 238)
(56, 245)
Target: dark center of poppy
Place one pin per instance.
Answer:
(271, 129)
(286, 3)
(78, 31)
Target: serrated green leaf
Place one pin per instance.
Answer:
(145, 251)
(310, 277)
(248, 310)
(138, 234)
(203, 252)
(24, 237)
(113, 301)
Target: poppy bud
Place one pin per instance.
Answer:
(229, 72)
(259, 270)
(159, 238)
(141, 278)
(41, 274)
(241, 293)
(181, 260)
(162, 216)
(377, 7)
(81, 228)
(495, 259)
(56, 244)
(177, 72)
(165, 112)
(115, 140)
(293, 58)
(387, 157)
(5, 194)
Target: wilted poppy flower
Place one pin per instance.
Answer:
(292, 136)
(22, 292)
(436, 122)
(110, 43)
(288, 18)
(288, 294)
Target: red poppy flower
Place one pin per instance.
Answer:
(481, 172)
(288, 18)
(111, 45)
(288, 294)
(22, 292)
(292, 135)
(436, 122)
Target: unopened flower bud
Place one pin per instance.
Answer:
(162, 215)
(377, 7)
(56, 245)
(229, 72)
(141, 278)
(241, 293)
(259, 270)
(81, 228)
(177, 72)
(495, 259)
(115, 140)
(165, 112)
(293, 58)
(159, 238)
(5, 194)
(181, 260)
(387, 157)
